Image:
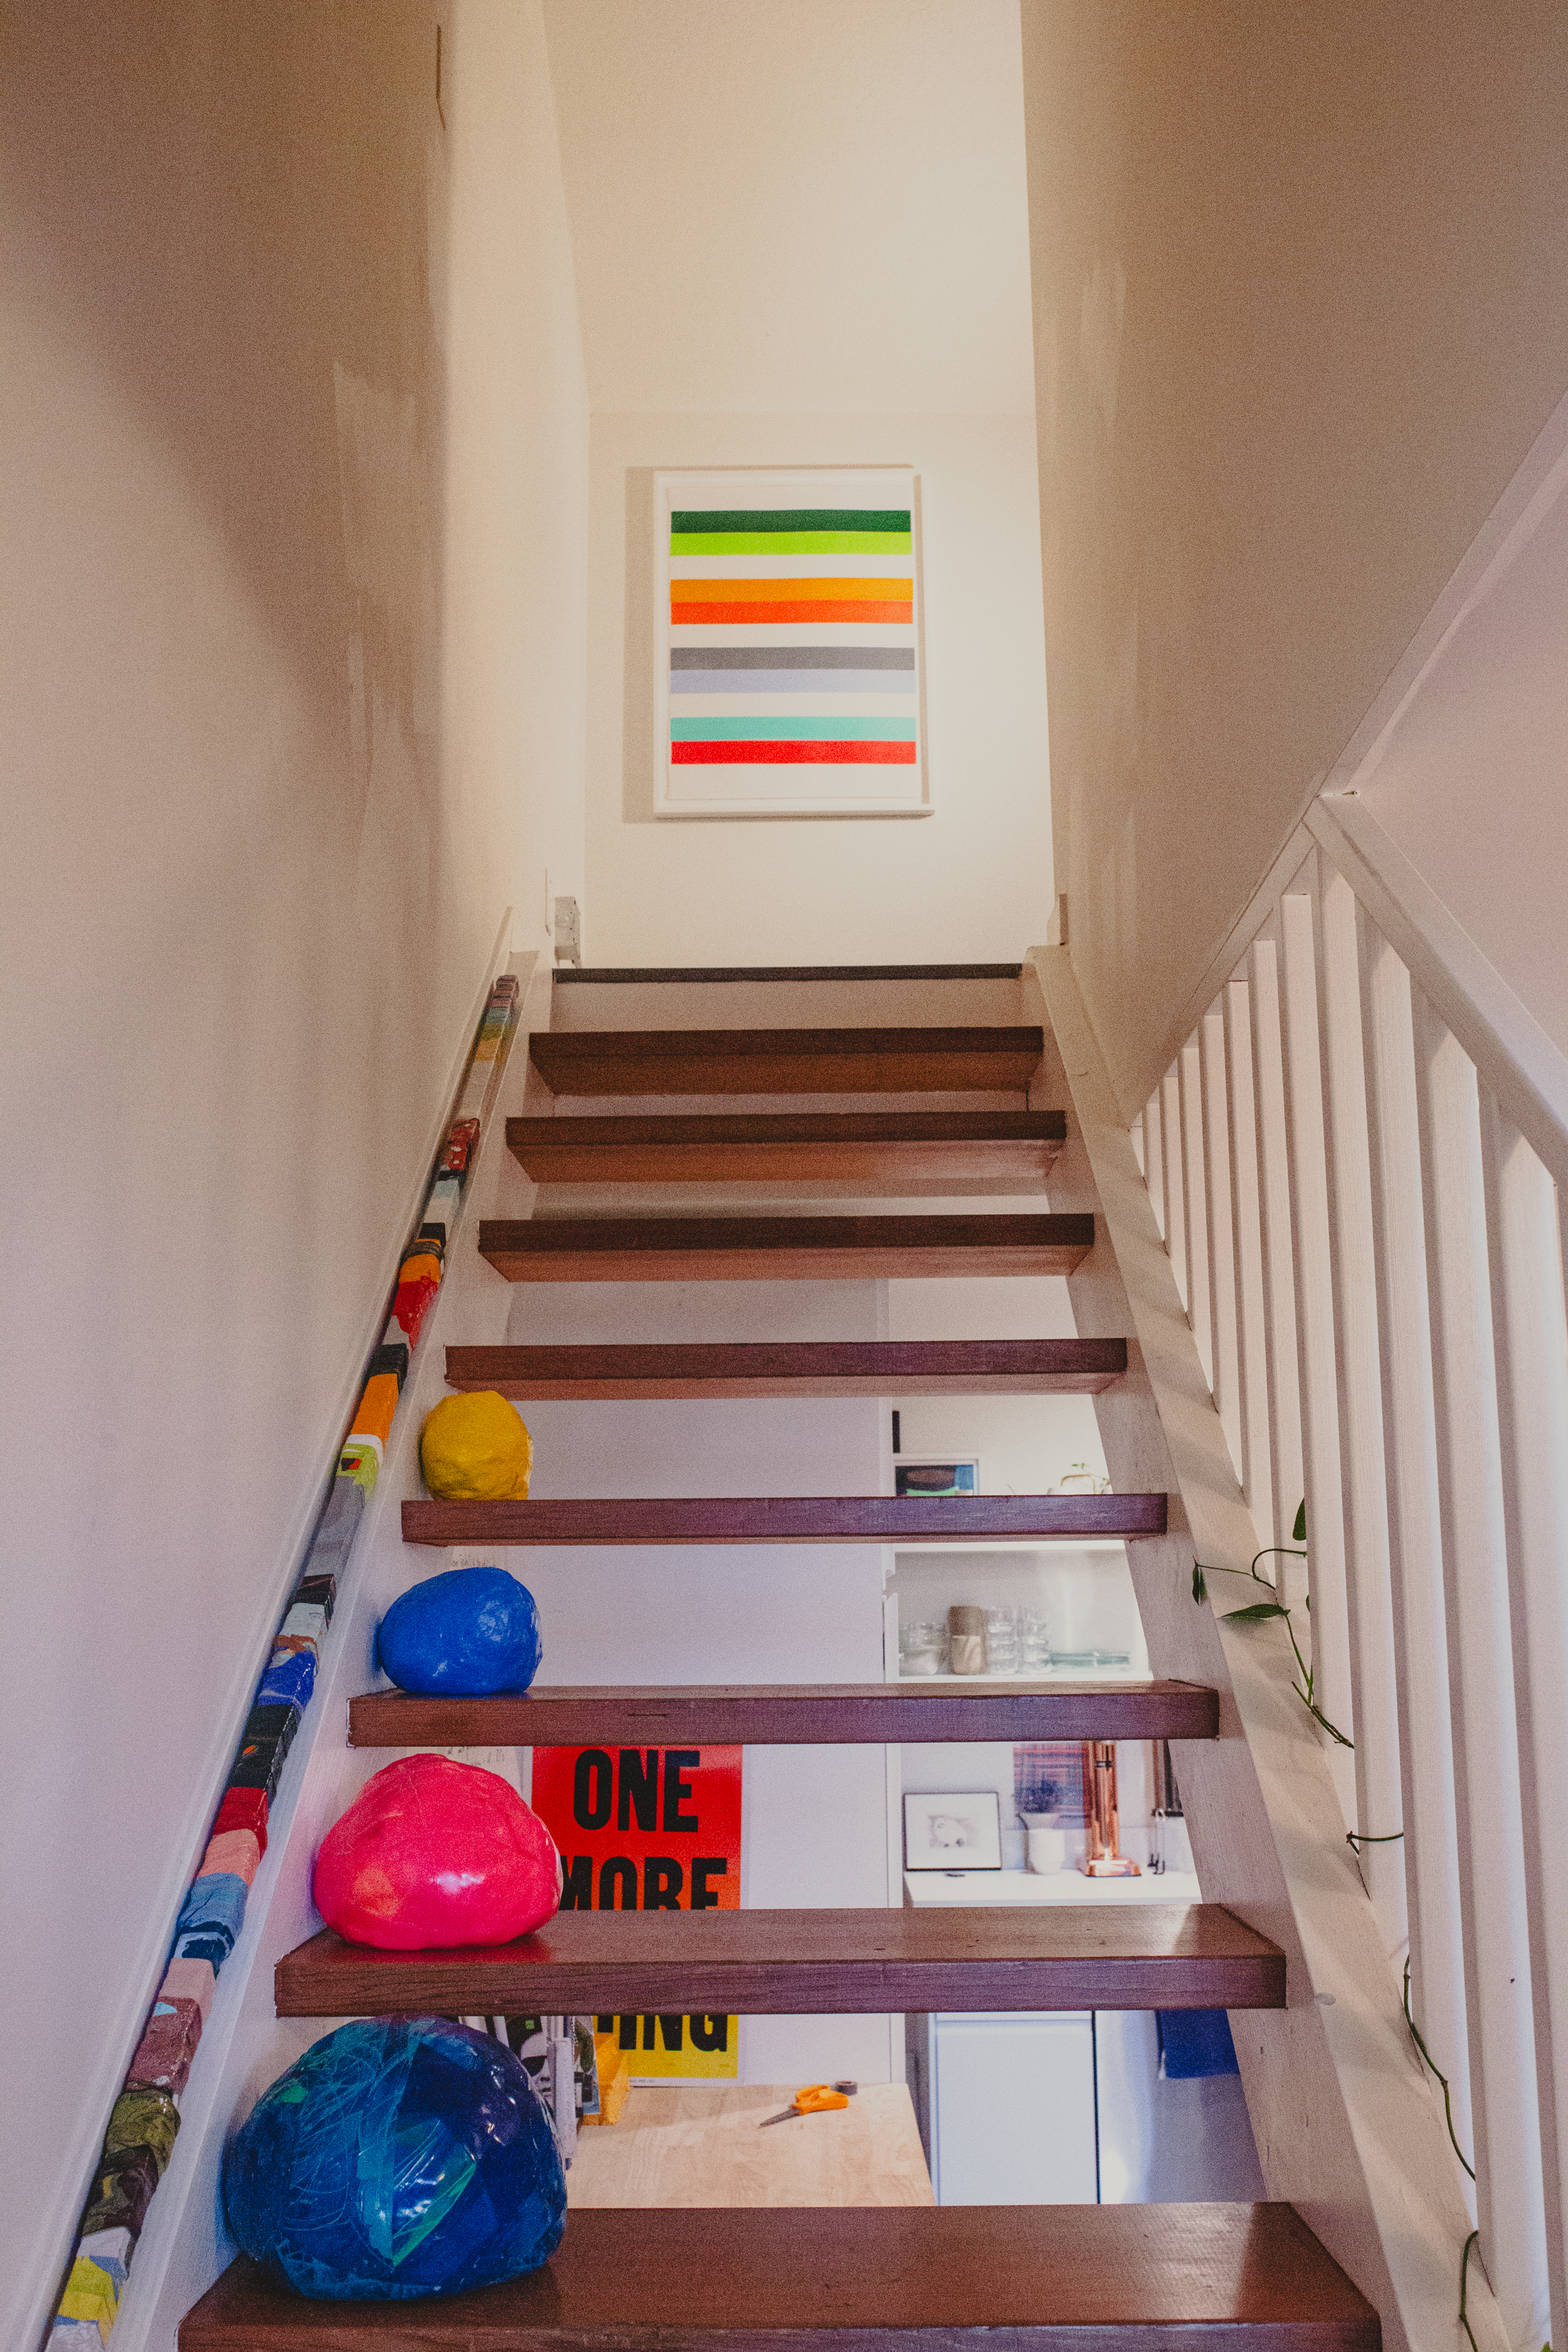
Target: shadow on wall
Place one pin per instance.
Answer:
(637, 668)
(240, 205)
(236, 963)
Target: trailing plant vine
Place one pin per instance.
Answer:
(1436, 2071)
(1256, 1611)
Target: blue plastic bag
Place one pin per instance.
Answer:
(471, 1630)
(399, 2156)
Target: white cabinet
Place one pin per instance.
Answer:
(1011, 2112)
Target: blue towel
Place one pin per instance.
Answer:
(1196, 2042)
(289, 1681)
(210, 1918)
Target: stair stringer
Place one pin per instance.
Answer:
(1349, 2126)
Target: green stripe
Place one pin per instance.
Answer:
(792, 542)
(792, 730)
(775, 519)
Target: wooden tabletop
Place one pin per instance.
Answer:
(706, 2143)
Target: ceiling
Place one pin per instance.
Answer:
(791, 206)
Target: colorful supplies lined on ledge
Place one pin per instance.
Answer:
(142, 2129)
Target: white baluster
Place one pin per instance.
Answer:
(1379, 1801)
(1221, 1236)
(1486, 1748)
(1252, 1315)
(1196, 1190)
(1175, 1219)
(1416, 1553)
(1532, 1385)
(1317, 1351)
(1153, 1149)
(1278, 1246)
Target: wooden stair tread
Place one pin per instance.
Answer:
(774, 1249)
(788, 1518)
(999, 2278)
(779, 1715)
(590, 1062)
(854, 1147)
(889, 1368)
(809, 1963)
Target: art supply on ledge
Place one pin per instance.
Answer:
(1103, 1857)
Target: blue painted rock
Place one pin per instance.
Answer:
(400, 2157)
(471, 1630)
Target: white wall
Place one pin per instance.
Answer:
(1298, 282)
(971, 882)
(793, 205)
(249, 908)
(1470, 774)
(515, 642)
(801, 238)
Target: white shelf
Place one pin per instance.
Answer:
(1033, 1544)
(1005, 1886)
(1069, 1674)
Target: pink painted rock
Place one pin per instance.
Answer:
(434, 1853)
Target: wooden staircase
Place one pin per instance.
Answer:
(1135, 2277)
(1003, 2278)
(797, 1367)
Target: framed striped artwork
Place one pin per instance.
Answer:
(788, 644)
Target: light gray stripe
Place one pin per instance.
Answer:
(791, 658)
(791, 681)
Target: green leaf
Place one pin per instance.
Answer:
(1200, 1590)
(1298, 1530)
(1255, 1615)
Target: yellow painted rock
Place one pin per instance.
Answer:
(475, 1449)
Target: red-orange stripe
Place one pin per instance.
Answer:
(755, 754)
(842, 609)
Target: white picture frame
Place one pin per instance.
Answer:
(956, 1829)
(914, 1474)
(868, 683)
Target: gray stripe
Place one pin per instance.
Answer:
(792, 681)
(793, 658)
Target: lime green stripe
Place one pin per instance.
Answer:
(791, 543)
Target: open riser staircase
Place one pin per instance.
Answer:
(691, 1089)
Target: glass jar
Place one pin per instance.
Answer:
(922, 1647)
(1034, 1638)
(1002, 1641)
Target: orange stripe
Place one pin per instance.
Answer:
(690, 615)
(793, 753)
(780, 592)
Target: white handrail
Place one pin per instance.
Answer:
(1515, 1057)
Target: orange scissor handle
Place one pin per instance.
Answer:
(816, 2097)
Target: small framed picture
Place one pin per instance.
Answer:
(915, 1473)
(963, 1831)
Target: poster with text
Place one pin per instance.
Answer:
(649, 1829)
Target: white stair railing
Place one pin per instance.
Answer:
(1358, 1162)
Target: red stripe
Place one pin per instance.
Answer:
(845, 609)
(736, 755)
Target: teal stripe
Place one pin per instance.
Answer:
(781, 731)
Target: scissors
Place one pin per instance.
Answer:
(812, 2101)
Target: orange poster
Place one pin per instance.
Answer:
(649, 1829)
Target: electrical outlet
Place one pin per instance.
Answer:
(568, 932)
